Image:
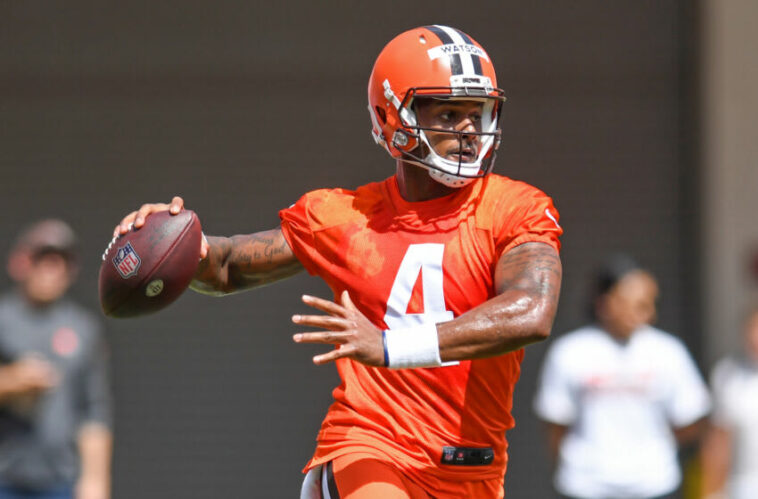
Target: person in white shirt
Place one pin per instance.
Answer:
(619, 395)
(729, 454)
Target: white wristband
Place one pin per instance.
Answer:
(415, 346)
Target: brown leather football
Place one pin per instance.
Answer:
(147, 269)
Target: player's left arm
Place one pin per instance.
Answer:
(527, 280)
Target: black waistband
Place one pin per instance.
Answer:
(467, 456)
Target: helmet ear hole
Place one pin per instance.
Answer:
(381, 115)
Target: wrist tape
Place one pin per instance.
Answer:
(415, 346)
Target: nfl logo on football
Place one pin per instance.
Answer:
(127, 261)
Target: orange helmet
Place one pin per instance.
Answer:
(433, 62)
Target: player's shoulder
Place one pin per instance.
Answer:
(330, 195)
(504, 198)
(367, 194)
(338, 205)
(500, 187)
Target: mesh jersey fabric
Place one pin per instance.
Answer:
(358, 241)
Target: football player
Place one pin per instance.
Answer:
(441, 274)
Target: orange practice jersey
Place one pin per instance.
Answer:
(409, 263)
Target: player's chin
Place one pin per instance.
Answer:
(461, 158)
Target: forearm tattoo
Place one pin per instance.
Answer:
(259, 252)
(244, 261)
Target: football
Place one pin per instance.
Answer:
(147, 269)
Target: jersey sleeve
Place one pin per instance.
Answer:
(298, 231)
(528, 215)
(690, 399)
(554, 401)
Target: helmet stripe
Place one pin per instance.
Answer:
(470, 63)
(457, 40)
(456, 64)
(475, 58)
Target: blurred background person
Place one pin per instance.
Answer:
(55, 436)
(618, 395)
(729, 454)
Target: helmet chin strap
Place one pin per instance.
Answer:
(443, 178)
(448, 179)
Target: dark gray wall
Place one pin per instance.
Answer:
(241, 107)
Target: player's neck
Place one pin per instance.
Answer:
(415, 184)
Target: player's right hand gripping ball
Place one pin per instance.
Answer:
(148, 268)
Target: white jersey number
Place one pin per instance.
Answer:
(426, 259)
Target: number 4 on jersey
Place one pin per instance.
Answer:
(427, 260)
